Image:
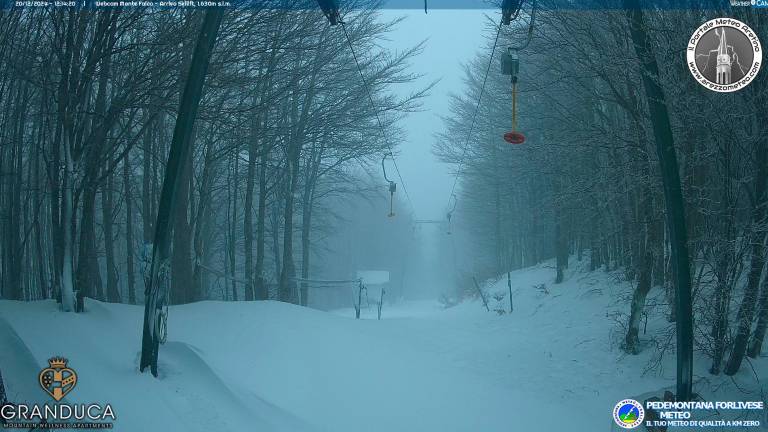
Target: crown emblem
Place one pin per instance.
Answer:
(57, 362)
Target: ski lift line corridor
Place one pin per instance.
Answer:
(667, 160)
(510, 11)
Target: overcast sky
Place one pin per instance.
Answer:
(452, 39)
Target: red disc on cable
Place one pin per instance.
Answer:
(514, 137)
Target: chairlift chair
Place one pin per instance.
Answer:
(392, 186)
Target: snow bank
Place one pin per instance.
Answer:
(572, 333)
(102, 346)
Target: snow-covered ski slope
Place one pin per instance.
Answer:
(553, 364)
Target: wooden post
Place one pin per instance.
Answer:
(359, 304)
(482, 296)
(381, 301)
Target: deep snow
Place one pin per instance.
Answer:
(271, 366)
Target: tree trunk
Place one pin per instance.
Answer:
(129, 271)
(305, 254)
(306, 229)
(287, 289)
(11, 282)
(113, 295)
(88, 276)
(758, 237)
(57, 232)
(181, 260)
(720, 322)
(646, 257)
(561, 247)
(201, 240)
(248, 217)
(673, 195)
(3, 398)
(756, 344)
(67, 290)
(747, 307)
(275, 233)
(147, 196)
(307, 203)
(261, 285)
(172, 183)
(232, 249)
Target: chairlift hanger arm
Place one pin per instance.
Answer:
(531, 25)
(455, 200)
(330, 10)
(510, 9)
(449, 215)
(384, 168)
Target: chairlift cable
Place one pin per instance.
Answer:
(376, 112)
(326, 281)
(474, 116)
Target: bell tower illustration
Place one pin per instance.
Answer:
(723, 60)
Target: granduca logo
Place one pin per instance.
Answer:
(57, 381)
(628, 414)
(724, 55)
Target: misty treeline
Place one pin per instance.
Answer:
(586, 183)
(285, 134)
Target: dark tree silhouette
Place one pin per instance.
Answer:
(157, 283)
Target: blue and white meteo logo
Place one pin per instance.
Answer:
(759, 3)
(628, 414)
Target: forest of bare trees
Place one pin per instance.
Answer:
(587, 182)
(285, 135)
(284, 128)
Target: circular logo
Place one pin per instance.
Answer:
(628, 414)
(724, 55)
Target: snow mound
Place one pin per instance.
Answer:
(102, 346)
(17, 361)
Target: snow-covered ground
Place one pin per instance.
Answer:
(553, 364)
